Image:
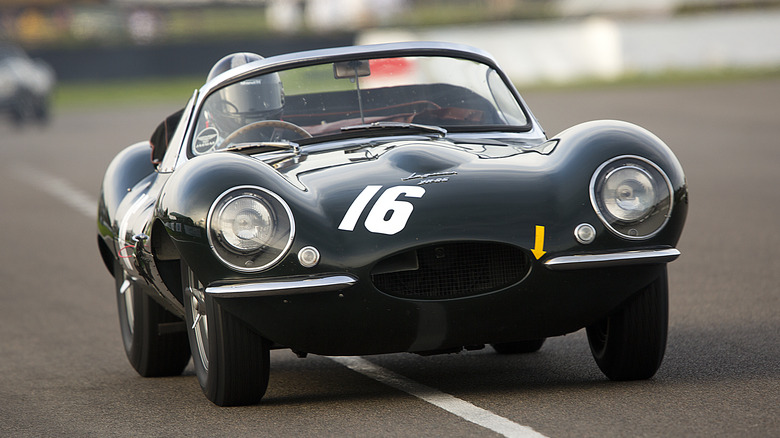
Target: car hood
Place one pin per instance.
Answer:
(420, 192)
(409, 162)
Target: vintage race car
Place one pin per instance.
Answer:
(26, 85)
(380, 199)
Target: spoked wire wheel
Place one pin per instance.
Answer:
(197, 314)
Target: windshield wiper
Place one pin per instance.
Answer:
(251, 146)
(396, 125)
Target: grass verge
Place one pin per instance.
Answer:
(152, 91)
(132, 92)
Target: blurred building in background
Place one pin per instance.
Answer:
(34, 23)
(559, 40)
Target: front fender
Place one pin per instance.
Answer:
(614, 138)
(128, 168)
(188, 195)
(583, 148)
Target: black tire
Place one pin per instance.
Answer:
(520, 347)
(231, 360)
(153, 345)
(630, 343)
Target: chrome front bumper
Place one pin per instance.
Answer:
(608, 260)
(334, 282)
(283, 286)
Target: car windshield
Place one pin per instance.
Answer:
(369, 97)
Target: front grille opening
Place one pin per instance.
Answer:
(452, 270)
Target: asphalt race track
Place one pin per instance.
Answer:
(63, 371)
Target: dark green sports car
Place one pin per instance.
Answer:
(380, 199)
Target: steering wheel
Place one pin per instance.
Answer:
(215, 103)
(276, 124)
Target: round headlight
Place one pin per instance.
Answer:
(632, 196)
(250, 228)
(628, 193)
(246, 223)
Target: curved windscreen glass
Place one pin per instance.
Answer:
(333, 98)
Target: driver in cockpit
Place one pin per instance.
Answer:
(251, 100)
(233, 114)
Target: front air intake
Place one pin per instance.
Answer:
(452, 270)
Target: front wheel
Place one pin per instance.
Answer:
(154, 343)
(630, 343)
(231, 361)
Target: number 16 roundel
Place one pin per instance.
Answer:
(388, 215)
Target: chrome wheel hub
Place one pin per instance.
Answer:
(199, 319)
(126, 290)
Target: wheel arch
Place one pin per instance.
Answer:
(181, 213)
(167, 259)
(106, 255)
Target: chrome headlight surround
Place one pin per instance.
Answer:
(632, 196)
(249, 228)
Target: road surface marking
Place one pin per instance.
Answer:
(58, 188)
(445, 401)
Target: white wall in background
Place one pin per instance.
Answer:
(566, 50)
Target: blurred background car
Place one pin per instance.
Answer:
(26, 85)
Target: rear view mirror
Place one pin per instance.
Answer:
(351, 69)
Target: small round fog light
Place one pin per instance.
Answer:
(309, 257)
(585, 233)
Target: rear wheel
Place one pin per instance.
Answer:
(630, 343)
(231, 361)
(519, 347)
(154, 339)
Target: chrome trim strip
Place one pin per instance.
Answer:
(283, 286)
(625, 258)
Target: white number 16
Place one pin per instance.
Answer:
(378, 220)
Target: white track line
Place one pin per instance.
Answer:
(445, 401)
(58, 188)
(85, 205)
